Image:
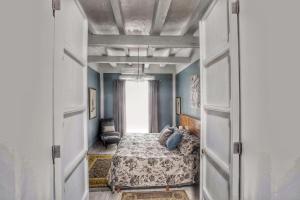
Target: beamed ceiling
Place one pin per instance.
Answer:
(164, 31)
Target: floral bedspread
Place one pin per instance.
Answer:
(140, 161)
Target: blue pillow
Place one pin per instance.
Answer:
(174, 140)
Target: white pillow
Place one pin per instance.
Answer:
(108, 129)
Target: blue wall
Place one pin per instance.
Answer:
(93, 124)
(183, 90)
(165, 97)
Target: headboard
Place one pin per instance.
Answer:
(192, 123)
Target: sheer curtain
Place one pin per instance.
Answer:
(153, 106)
(119, 106)
(137, 109)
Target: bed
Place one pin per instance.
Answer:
(140, 161)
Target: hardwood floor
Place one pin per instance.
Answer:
(192, 192)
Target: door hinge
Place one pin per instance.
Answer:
(202, 152)
(237, 148)
(55, 6)
(55, 152)
(235, 7)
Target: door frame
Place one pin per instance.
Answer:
(235, 108)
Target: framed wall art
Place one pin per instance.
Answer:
(92, 103)
(178, 105)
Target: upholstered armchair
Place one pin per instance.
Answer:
(108, 134)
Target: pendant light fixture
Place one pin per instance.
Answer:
(140, 76)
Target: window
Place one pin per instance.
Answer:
(137, 107)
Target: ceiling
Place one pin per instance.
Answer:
(137, 18)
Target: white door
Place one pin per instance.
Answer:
(220, 135)
(70, 102)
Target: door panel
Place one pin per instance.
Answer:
(70, 102)
(216, 36)
(72, 83)
(220, 96)
(218, 135)
(217, 83)
(216, 184)
(73, 139)
(74, 186)
(75, 30)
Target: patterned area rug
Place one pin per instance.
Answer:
(157, 195)
(99, 166)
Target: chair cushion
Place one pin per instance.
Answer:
(111, 137)
(174, 140)
(109, 134)
(111, 140)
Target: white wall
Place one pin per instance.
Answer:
(26, 100)
(270, 81)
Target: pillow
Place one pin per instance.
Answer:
(108, 125)
(173, 128)
(174, 140)
(108, 129)
(165, 127)
(188, 144)
(165, 134)
(182, 131)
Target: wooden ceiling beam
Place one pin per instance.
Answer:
(143, 41)
(136, 59)
(161, 10)
(118, 15)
